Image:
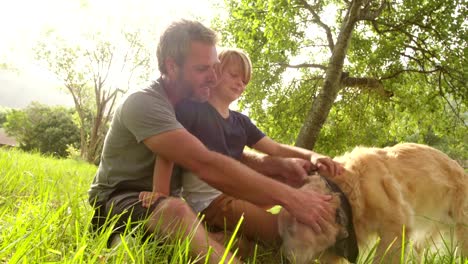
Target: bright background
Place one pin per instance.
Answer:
(24, 22)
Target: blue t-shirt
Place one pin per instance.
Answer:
(227, 136)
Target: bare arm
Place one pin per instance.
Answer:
(325, 165)
(273, 148)
(162, 175)
(291, 171)
(238, 180)
(161, 181)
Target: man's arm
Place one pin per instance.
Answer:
(236, 179)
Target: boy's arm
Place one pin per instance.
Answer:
(161, 181)
(162, 175)
(325, 165)
(291, 171)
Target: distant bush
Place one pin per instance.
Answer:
(44, 128)
(74, 153)
(3, 114)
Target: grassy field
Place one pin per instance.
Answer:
(44, 218)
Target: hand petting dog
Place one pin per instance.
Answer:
(326, 166)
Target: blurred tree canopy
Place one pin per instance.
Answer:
(46, 129)
(330, 75)
(95, 74)
(3, 114)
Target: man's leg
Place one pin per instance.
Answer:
(258, 224)
(168, 217)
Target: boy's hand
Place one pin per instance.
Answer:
(326, 166)
(148, 198)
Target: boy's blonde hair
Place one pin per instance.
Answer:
(233, 56)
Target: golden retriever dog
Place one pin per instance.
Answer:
(408, 189)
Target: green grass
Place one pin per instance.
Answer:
(45, 217)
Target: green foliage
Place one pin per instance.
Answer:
(254, 26)
(73, 153)
(3, 114)
(416, 49)
(43, 128)
(362, 119)
(95, 75)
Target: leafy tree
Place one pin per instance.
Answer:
(344, 73)
(46, 129)
(3, 113)
(95, 75)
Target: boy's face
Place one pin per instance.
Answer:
(197, 75)
(231, 83)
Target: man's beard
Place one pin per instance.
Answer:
(188, 90)
(199, 98)
(185, 88)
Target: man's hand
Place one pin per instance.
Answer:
(326, 166)
(149, 198)
(312, 208)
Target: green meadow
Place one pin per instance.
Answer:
(45, 218)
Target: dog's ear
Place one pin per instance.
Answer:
(342, 221)
(346, 243)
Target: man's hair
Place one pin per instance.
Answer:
(176, 39)
(238, 58)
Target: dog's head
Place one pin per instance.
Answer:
(302, 244)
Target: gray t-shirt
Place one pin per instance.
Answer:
(126, 162)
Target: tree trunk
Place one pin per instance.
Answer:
(95, 134)
(320, 108)
(106, 102)
(81, 115)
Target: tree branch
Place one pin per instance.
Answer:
(371, 15)
(408, 70)
(304, 65)
(316, 19)
(367, 84)
(441, 92)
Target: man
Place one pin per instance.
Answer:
(145, 125)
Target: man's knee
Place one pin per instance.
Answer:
(174, 208)
(170, 214)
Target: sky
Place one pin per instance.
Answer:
(24, 23)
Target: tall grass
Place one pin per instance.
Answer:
(45, 218)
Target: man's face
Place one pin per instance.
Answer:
(197, 74)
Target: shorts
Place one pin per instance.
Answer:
(258, 225)
(125, 205)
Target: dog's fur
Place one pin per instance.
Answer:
(409, 186)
